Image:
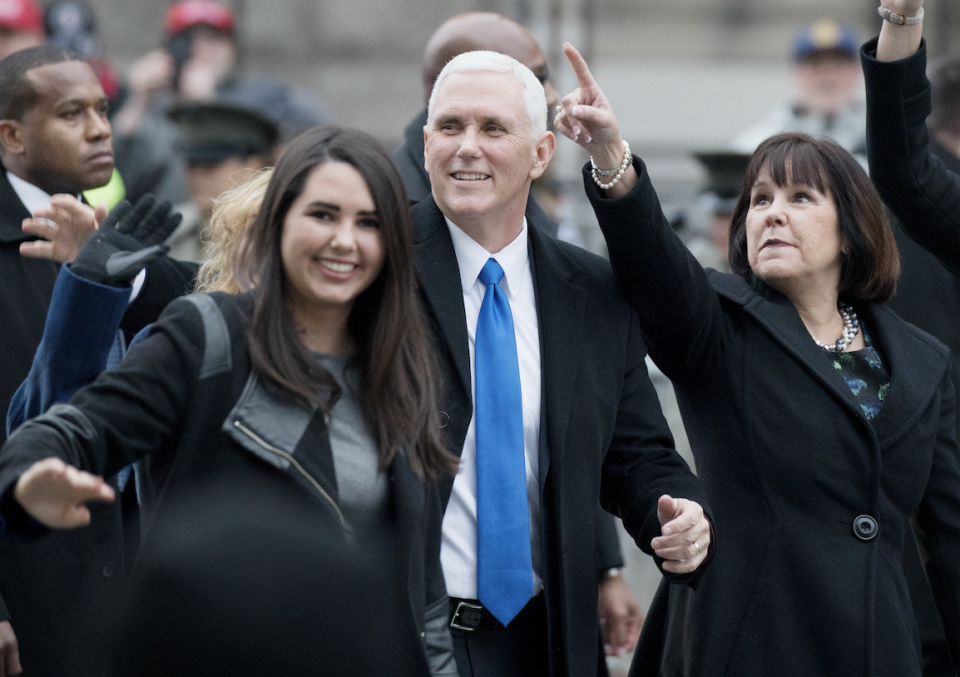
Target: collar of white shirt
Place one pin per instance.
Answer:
(471, 257)
(33, 198)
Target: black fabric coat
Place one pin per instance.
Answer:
(44, 585)
(922, 193)
(789, 462)
(602, 432)
(25, 289)
(210, 425)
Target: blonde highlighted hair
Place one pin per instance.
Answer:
(233, 212)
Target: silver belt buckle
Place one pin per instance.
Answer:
(455, 621)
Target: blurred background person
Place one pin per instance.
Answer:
(223, 145)
(829, 92)
(21, 26)
(199, 62)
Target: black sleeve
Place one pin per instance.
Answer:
(920, 191)
(167, 279)
(609, 555)
(641, 464)
(680, 313)
(123, 415)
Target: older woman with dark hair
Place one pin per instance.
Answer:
(820, 421)
(314, 390)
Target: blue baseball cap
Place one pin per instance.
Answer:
(825, 35)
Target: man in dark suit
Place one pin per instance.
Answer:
(54, 139)
(619, 611)
(583, 419)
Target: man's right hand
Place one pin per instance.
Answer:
(9, 651)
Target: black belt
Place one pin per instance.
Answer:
(470, 615)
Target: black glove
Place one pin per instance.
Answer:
(127, 241)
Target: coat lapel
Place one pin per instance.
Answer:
(560, 308)
(12, 213)
(916, 368)
(780, 318)
(439, 277)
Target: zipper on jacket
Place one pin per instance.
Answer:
(256, 438)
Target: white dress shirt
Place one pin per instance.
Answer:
(34, 198)
(458, 552)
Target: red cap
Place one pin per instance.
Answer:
(189, 13)
(22, 16)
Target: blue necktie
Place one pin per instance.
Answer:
(504, 565)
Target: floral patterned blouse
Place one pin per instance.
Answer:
(865, 375)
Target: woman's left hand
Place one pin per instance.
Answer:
(585, 116)
(686, 535)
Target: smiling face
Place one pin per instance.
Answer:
(793, 235)
(479, 151)
(331, 246)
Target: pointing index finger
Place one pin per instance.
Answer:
(584, 77)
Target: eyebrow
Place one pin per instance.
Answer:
(456, 117)
(79, 101)
(336, 208)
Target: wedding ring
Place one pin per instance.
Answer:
(698, 549)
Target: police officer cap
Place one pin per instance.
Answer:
(212, 132)
(725, 171)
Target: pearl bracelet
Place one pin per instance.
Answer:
(615, 173)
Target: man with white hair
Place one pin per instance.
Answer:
(547, 399)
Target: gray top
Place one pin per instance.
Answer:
(364, 492)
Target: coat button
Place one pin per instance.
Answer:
(444, 419)
(108, 570)
(865, 528)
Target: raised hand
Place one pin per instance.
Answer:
(55, 493)
(585, 116)
(129, 239)
(686, 534)
(64, 226)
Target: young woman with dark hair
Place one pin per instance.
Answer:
(822, 423)
(315, 386)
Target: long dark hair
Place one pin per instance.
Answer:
(870, 266)
(398, 388)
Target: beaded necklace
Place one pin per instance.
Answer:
(851, 326)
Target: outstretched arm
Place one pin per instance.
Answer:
(920, 191)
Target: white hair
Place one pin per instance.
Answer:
(494, 62)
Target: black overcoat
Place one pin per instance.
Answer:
(789, 463)
(602, 432)
(35, 578)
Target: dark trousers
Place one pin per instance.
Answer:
(517, 650)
